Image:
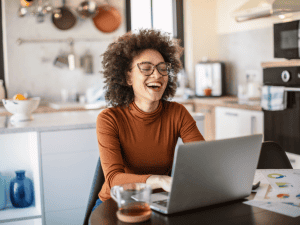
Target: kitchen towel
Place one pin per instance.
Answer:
(274, 98)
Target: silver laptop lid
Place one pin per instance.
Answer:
(210, 172)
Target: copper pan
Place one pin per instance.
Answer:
(108, 19)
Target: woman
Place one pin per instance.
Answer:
(138, 134)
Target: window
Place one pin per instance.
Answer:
(165, 15)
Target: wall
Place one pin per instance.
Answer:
(29, 67)
(211, 31)
(200, 33)
(244, 46)
(227, 24)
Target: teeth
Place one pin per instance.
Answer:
(154, 84)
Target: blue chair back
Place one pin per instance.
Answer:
(97, 184)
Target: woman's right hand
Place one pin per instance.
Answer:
(160, 181)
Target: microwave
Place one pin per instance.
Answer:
(287, 40)
(210, 75)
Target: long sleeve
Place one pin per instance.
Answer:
(110, 153)
(189, 131)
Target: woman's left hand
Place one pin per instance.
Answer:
(160, 181)
(165, 182)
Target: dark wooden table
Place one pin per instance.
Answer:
(234, 212)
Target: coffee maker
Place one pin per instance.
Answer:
(209, 79)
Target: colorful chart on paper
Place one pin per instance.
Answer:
(280, 179)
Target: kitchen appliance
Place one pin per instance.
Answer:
(283, 127)
(287, 40)
(209, 75)
(254, 9)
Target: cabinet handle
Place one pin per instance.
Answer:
(253, 122)
(231, 114)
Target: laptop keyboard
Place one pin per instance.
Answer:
(162, 202)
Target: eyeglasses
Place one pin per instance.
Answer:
(148, 68)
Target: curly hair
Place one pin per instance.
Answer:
(118, 57)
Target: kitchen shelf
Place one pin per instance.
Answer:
(69, 40)
(19, 213)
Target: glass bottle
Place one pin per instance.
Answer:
(21, 190)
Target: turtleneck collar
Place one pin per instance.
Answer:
(144, 116)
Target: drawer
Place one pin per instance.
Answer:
(69, 141)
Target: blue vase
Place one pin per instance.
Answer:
(21, 190)
(2, 193)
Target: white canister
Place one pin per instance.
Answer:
(2, 92)
(253, 90)
(2, 193)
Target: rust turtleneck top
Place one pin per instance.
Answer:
(134, 145)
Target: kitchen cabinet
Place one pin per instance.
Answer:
(209, 122)
(69, 160)
(59, 152)
(231, 122)
(20, 152)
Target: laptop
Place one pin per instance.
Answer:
(210, 172)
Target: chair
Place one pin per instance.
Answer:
(272, 156)
(98, 181)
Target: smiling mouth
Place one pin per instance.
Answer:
(154, 88)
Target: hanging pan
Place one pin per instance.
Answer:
(63, 18)
(108, 18)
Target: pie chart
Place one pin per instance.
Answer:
(283, 196)
(276, 175)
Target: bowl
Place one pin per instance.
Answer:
(21, 109)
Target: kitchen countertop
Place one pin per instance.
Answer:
(57, 121)
(49, 119)
(226, 101)
(53, 122)
(229, 101)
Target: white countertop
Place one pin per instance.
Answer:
(53, 121)
(60, 121)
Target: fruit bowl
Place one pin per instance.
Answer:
(21, 109)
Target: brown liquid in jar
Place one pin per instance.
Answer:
(135, 212)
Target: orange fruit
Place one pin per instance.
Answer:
(19, 97)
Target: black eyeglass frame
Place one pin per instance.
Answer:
(155, 66)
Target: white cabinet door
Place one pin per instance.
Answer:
(67, 217)
(227, 123)
(69, 160)
(232, 122)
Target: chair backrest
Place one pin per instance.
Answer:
(97, 184)
(272, 156)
